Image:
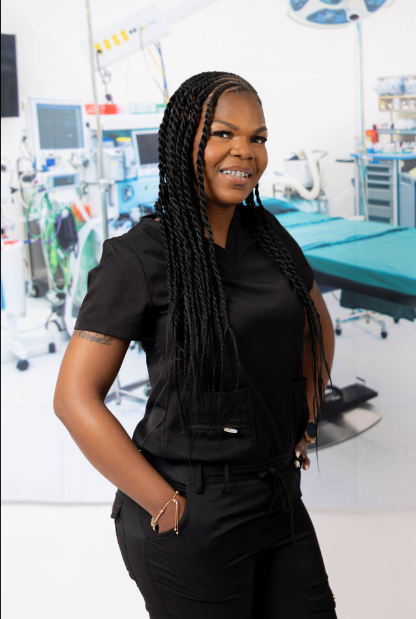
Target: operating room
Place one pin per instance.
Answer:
(337, 83)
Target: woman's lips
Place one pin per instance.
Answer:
(236, 180)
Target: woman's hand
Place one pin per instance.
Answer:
(167, 520)
(301, 449)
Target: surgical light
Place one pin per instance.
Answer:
(334, 13)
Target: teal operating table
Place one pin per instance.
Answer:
(371, 258)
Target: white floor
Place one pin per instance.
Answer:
(62, 562)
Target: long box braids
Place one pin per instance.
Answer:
(198, 326)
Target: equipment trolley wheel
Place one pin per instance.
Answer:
(52, 347)
(22, 365)
(338, 330)
(384, 334)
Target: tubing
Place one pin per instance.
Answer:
(100, 164)
(293, 183)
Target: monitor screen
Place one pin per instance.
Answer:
(64, 181)
(9, 94)
(147, 145)
(60, 126)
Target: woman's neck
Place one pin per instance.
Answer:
(220, 218)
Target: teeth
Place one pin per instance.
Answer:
(236, 173)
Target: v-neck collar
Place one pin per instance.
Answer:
(229, 256)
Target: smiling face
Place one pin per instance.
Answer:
(235, 155)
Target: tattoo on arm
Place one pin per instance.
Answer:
(102, 340)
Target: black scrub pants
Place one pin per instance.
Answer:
(243, 551)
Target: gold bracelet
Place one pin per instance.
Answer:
(154, 523)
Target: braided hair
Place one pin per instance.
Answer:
(198, 326)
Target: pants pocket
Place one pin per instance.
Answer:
(321, 599)
(117, 515)
(145, 517)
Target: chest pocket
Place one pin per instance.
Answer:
(223, 425)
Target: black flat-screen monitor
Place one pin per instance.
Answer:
(147, 144)
(9, 94)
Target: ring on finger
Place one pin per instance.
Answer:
(298, 461)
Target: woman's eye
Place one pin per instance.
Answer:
(259, 139)
(222, 134)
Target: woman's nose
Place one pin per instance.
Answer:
(242, 148)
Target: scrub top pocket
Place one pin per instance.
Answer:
(224, 425)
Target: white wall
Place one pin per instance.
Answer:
(305, 76)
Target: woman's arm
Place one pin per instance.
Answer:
(329, 347)
(89, 368)
(329, 344)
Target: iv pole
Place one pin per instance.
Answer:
(363, 159)
(102, 183)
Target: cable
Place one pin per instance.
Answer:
(147, 63)
(24, 141)
(155, 61)
(20, 178)
(105, 77)
(129, 79)
(49, 223)
(161, 71)
(159, 48)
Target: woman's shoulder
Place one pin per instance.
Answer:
(146, 241)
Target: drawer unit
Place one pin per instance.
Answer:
(382, 191)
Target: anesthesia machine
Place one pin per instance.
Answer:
(62, 202)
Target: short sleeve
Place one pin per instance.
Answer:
(118, 301)
(296, 253)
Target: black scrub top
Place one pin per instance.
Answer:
(128, 298)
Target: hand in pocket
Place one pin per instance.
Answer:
(167, 520)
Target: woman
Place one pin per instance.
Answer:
(209, 515)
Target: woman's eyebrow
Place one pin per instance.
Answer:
(223, 122)
(234, 128)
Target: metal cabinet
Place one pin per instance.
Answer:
(382, 191)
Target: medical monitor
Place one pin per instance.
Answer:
(57, 126)
(146, 146)
(9, 93)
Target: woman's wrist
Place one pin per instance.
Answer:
(311, 431)
(159, 499)
(167, 520)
